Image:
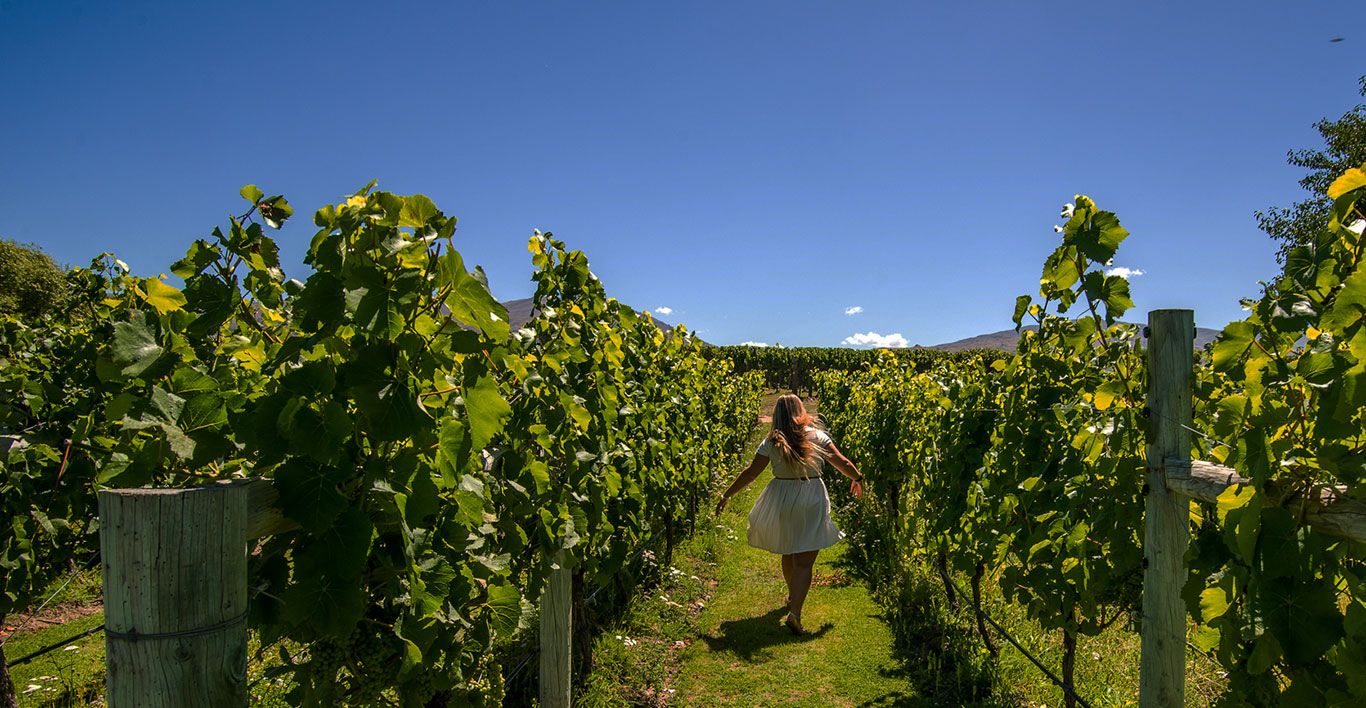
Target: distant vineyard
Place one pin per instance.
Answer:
(795, 368)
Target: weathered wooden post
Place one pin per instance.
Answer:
(556, 635)
(175, 596)
(1171, 352)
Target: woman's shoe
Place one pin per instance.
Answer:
(794, 625)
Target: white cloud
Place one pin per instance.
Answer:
(753, 344)
(1125, 273)
(664, 310)
(876, 340)
(853, 310)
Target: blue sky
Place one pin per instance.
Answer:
(758, 168)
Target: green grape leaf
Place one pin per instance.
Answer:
(1265, 651)
(453, 448)
(1302, 615)
(486, 409)
(164, 298)
(505, 609)
(329, 606)
(1021, 307)
(340, 550)
(134, 348)
(319, 434)
(201, 255)
(422, 499)
(1232, 343)
(309, 493)
(206, 410)
(391, 411)
(1216, 599)
(251, 193)
(469, 299)
(1099, 236)
(1115, 295)
(1348, 308)
(312, 379)
(1348, 181)
(417, 210)
(320, 303)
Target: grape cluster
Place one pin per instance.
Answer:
(325, 658)
(373, 665)
(485, 688)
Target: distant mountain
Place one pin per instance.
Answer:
(521, 312)
(1006, 339)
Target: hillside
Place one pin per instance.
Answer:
(1006, 339)
(520, 312)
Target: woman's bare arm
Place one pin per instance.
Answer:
(747, 475)
(846, 468)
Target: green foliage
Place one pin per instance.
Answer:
(1033, 466)
(434, 461)
(32, 285)
(1284, 393)
(1344, 147)
(1026, 466)
(52, 417)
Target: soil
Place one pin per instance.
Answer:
(60, 613)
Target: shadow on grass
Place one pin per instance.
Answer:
(750, 638)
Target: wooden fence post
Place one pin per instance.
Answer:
(175, 596)
(1171, 351)
(556, 636)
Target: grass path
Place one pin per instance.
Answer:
(744, 656)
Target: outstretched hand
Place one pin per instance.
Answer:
(856, 487)
(721, 505)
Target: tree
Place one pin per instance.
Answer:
(1344, 148)
(32, 285)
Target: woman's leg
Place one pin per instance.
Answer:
(802, 564)
(787, 574)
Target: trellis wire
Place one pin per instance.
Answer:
(54, 594)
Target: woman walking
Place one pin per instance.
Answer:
(792, 515)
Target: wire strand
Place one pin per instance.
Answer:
(982, 613)
(53, 647)
(54, 594)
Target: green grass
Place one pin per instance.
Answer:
(64, 677)
(710, 634)
(745, 657)
(74, 675)
(906, 648)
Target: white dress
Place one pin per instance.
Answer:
(792, 514)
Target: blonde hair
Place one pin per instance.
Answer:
(790, 421)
